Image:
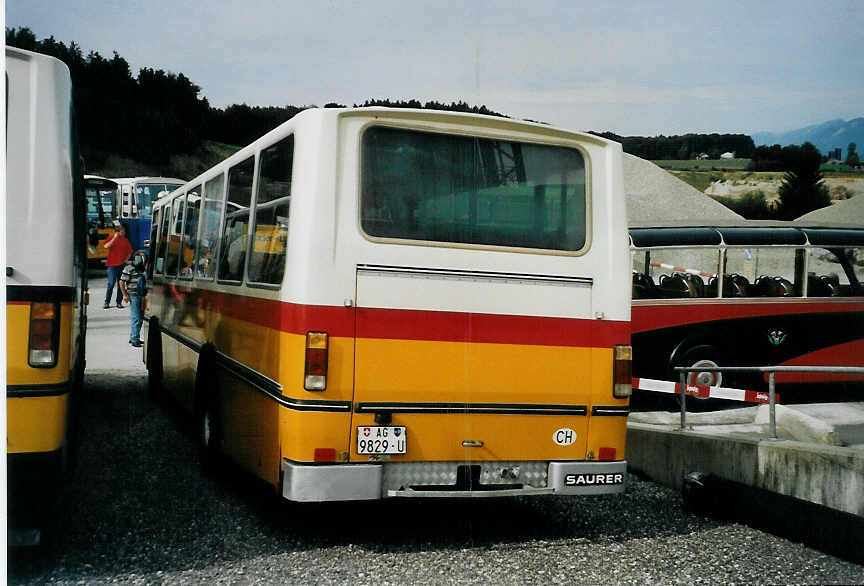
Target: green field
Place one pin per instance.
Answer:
(704, 165)
(698, 179)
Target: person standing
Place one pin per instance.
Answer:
(119, 251)
(133, 284)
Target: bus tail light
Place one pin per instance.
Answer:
(316, 361)
(622, 369)
(44, 332)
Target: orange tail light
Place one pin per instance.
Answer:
(622, 368)
(44, 334)
(315, 376)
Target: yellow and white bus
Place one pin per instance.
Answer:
(370, 303)
(45, 286)
(102, 196)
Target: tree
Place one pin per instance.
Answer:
(802, 189)
(851, 155)
(149, 119)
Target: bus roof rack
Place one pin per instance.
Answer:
(747, 234)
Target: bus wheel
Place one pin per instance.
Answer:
(154, 363)
(704, 356)
(208, 439)
(80, 365)
(205, 407)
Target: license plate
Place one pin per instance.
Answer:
(378, 439)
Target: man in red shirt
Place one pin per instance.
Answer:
(119, 251)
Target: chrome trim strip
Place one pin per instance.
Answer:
(273, 389)
(185, 340)
(472, 408)
(750, 301)
(609, 411)
(529, 491)
(479, 274)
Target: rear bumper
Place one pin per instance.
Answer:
(348, 482)
(33, 484)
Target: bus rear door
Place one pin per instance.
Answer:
(472, 365)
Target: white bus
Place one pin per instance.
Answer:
(370, 303)
(46, 260)
(137, 194)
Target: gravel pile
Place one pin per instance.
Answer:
(848, 211)
(655, 197)
(138, 511)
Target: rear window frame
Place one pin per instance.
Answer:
(490, 135)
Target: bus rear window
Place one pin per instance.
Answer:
(470, 190)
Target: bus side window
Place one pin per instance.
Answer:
(172, 255)
(190, 232)
(272, 206)
(154, 240)
(682, 272)
(765, 271)
(826, 275)
(211, 216)
(162, 246)
(855, 257)
(644, 286)
(232, 255)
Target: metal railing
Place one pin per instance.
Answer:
(772, 394)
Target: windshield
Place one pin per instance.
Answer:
(100, 214)
(147, 193)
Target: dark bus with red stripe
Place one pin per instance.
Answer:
(748, 295)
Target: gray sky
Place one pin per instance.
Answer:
(653, 67)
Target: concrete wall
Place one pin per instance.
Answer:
(831, 476)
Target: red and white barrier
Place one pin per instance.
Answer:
(677, 269)
(702, 391)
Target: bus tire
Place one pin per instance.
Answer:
(154, 361)
(706, 355)
(208, 428)
(80, 365)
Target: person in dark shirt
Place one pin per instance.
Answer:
(133, 284)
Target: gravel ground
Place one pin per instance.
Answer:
(139, 511)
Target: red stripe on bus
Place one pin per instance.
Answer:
(406, 324)
(846, 354)
(653, 316)
(484, 328)
(268, 313)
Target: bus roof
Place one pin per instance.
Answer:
(99, 179)
(747, 234)
(478, 121)
(146, 179)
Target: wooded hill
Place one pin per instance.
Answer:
(158, 120)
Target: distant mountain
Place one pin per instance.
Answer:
(825, 137)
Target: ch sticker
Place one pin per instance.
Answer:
(564, 436)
